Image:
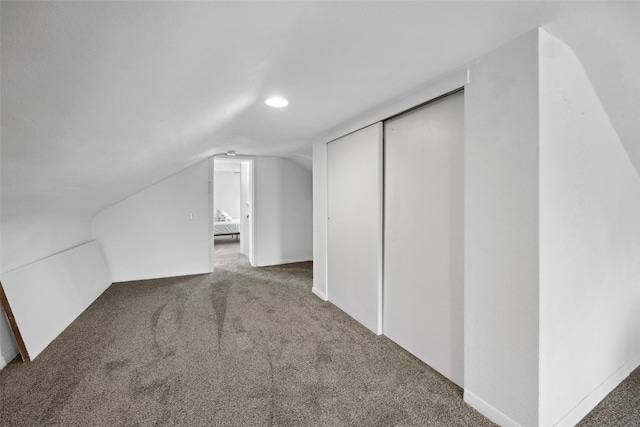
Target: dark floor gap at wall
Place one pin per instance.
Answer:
(241, 346)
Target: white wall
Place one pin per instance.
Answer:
(151, 234)
(28, 238)
(501, 233)
(49, 294)
(589, 244)
(552, 238)
(552, 302)
(226, 192)
(283, 212)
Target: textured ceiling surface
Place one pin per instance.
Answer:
(101, 99)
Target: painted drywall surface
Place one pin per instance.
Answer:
(28, 238)
(589, 242)
(354, 225)
(101, 63)
(501, 233)
(320, 220)
(49, 294)
(162, 231)
(227, 192)
(283, 212)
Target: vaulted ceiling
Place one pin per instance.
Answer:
(101, 99)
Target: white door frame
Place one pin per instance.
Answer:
(251, 211)
(252, 223)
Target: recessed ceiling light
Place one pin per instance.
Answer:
(276, 102)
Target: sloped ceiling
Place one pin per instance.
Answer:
(101, 99)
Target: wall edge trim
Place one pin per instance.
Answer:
(286, 261)
(488, 411)
(164, 276)
(319, 294)
(590, 401)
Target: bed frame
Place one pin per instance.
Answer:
(236, 234)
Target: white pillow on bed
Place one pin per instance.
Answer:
(223, 215)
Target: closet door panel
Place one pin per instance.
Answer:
(354, 230)
(423, 255)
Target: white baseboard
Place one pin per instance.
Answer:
(488, 411)
(8, 355)
(585, 406)
(319, 293)
(284, 261)
(292, 260)
(158, 275)
(576, 414)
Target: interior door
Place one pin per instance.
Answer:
(424, 234)
(354, 226)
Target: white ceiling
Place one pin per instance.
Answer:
(101, 99)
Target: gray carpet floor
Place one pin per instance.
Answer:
(239, 347)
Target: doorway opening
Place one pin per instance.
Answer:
(232, 209)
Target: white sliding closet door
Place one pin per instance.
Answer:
(424, 234)
(354, 228)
